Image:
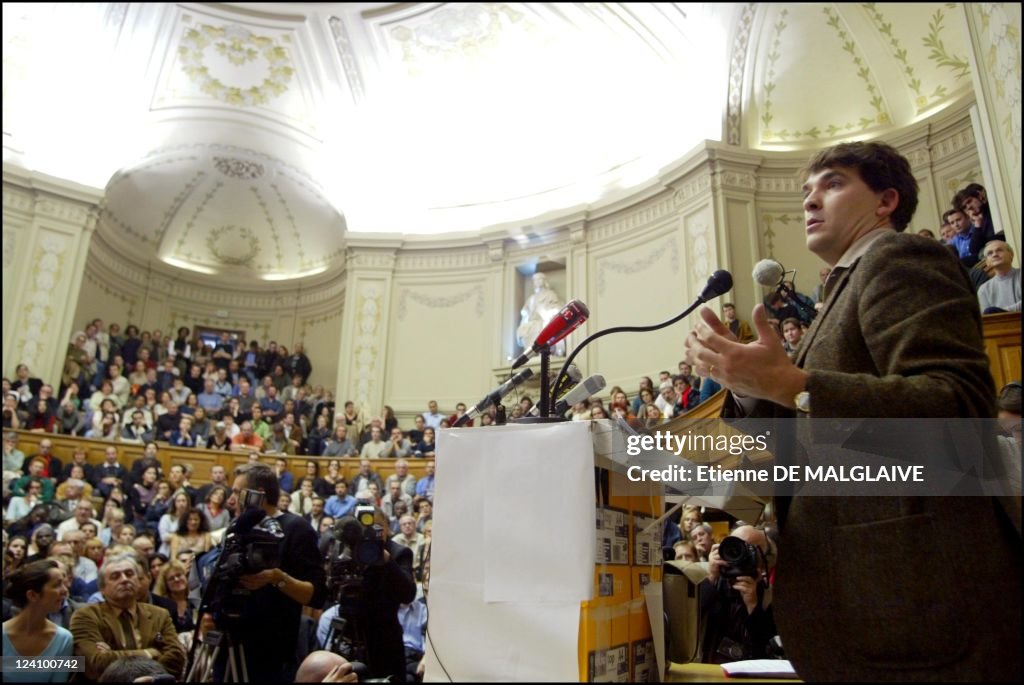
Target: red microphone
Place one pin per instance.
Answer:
(565, 322)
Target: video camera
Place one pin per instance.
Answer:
(250, 546)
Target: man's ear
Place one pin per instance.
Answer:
(888, 201)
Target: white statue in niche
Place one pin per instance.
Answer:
(540, 307)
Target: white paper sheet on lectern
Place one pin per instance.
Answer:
(512, 553)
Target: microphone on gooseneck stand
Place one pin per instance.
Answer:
(494, 397)
(583, 391)
(565, 322)
(719, 283)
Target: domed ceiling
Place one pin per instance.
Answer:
(251, 139)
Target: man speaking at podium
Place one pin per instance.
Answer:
(880, 588)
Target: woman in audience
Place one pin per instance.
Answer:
(94, 551)
(652, 415)
(143, 492)
(137, 378)
(42, 418)
(193, 534)
(302, 500)
(219, 439)
(352, 419)
(324, 486)
(172, 583)
(125, 537)
(15, 554)
(38, 589)
(180, 505)
(77, 474)
(390, 421)
(316, 441)
(201, 426)
(191, 404)
(217, 516)
(156, 562)
(426, 447)
(598, 412)
(20, 506)
(160, 504)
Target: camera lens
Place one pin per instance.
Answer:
(732, 549)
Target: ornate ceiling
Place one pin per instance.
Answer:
(249, 139)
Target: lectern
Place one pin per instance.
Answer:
(539, 557)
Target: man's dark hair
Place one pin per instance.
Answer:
(728, 304)
(127, 669)
(880, 166)
(972, 190)
(260, 477)
(950, 212)
(790, 319)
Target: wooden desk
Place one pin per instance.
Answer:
(712, 673)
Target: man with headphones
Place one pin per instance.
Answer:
(740, 623)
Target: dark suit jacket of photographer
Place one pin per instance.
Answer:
(270, 619)
(385, 588)
(893, 588)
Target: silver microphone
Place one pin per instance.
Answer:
(584, 390)
(769, 273)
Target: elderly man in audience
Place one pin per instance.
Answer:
(247, 440)
(408, 536)
(83, 514)
(701, 538)
(122, 626)
(393, 496)
(1002, 293)
(406, 480)
(425, 485)
(84, 568)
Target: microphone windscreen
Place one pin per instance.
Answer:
(768, 272)
(719, 283)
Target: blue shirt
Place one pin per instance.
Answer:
(211, 401)
(336, 508)
(425, 487)
(61, 645)
(413, 618)
(962, 243)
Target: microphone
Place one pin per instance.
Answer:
(494, 396)
(719, 283)
(565, 322)
(573, 376)
(769, 273)
(587, 388)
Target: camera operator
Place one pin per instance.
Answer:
(385, 586)
(736, 597)
(269, 625)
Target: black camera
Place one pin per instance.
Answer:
(740, 557)
(253, 546)
(360, 537)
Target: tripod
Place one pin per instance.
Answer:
(204, 659)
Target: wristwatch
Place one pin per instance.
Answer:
(803, 401)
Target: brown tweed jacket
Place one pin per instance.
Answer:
(897, 588)
(100, 623)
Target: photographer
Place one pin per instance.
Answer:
(736, 597)
(269, 624)
(372, 606)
